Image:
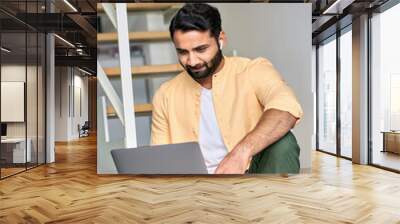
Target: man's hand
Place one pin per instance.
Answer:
(272, 126)
(235, 162)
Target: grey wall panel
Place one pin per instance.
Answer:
(281, 33)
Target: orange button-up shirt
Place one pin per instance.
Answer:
(242, 90)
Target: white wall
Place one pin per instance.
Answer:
(14, 73)
(17, 73)
(80, 84)
(61, 104)
(68, 83)
(33, 125)
(281, 33)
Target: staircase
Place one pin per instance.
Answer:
(145, 37)
(153, 61)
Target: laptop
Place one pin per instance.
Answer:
(183, 158)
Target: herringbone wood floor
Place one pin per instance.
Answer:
(70, 191)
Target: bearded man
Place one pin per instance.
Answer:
(239, 110)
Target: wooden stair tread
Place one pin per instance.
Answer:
(144, 6)
(146, 69)
(139, 108)
(135, 36)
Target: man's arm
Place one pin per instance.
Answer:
(159, 125)
(281, 111)
(272, 126)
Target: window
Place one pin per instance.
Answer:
(385, 89)
(327, 96)
(346, 93)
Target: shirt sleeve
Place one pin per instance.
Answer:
(159, 127)
(271, 90)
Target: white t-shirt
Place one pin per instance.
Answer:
(210, 140)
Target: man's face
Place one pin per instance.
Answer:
(198, 52)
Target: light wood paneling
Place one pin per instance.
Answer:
(146, 70)
(139, 108)
(70, 191)
(135, 36)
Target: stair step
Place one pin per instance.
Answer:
(144, 6)
(139, 108)
(146, 70)
(135, 36)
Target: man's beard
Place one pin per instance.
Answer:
(209, 67)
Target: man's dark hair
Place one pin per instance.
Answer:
(197, 16)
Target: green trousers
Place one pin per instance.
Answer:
(280, 157)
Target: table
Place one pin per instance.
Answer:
(391, 141)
